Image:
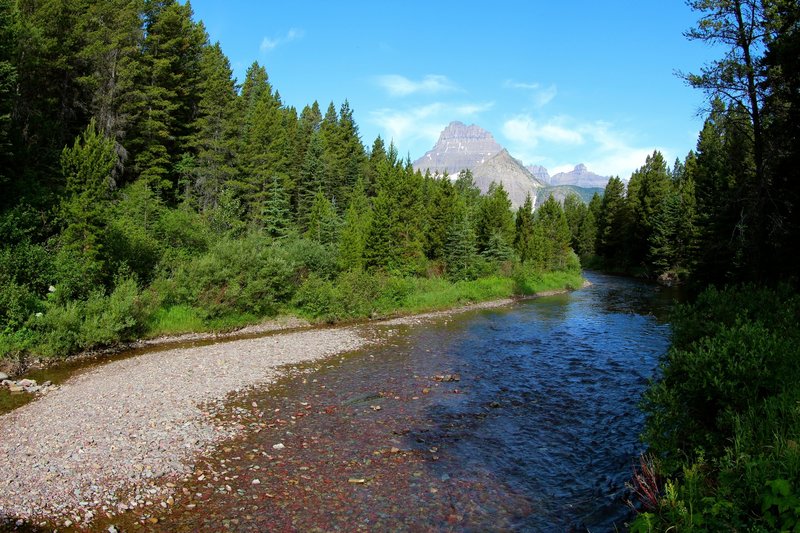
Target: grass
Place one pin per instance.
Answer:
(174, 320)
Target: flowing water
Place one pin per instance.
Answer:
(522, 418)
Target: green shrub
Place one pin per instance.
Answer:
(724, 416)
(117, 317)
(359, 292)
(318, 298)
(250, 275)
(311, 256)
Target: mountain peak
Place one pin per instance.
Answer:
(504, 169)
(580, 176)
(459, 147)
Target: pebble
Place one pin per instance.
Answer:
(3, 376)
(102, 424)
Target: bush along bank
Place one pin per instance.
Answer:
(724, 417)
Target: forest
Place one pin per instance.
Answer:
(144, 191)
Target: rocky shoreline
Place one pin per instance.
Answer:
(114, 437)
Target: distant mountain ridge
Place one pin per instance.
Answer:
(461, 147)
(516, 179)
(580, 176)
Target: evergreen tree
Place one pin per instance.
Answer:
(214, 139)
(8, 80)
(587, 236)
(348, 155)
(396, 235)
(495, 224)
(311, 179)
(440, 198)
(323, 221)
(163, 110)
(112, 53)
(377, 157)
(460, 249)
(648, 190)
(275, 216)
(466, 189)
(50, 105)
(86, 167)
(355, 230)
(575, 211)
(614, 226)
(523, 236)
(782, 136)
(552, 223)
(262, 150)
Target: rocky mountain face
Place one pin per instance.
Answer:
(540, 173)
(459, 147)
(580, 176)
(511, 173)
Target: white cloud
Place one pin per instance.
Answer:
(397, 85)
(417, 128)
(268, 44)
(603, 148)
(540, 95)
(528, 132)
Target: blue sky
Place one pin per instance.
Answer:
(556, 82)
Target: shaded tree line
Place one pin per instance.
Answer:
(730, 210)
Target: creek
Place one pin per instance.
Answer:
(519, 418)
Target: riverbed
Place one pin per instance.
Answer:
(516, 418)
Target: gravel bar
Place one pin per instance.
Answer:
(112, 437)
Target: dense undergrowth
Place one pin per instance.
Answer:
(724, 417)
(179, 277)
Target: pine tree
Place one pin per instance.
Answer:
(552, 222)
(323, 221)
(214, 139)
(114, 35)
(587, 236)
(523, 236)
(86, 167)
(8, 80)
(275, 215)
(460, 249)
(575, 211)
(440, 199)
(614, 224)
(311, 179)
(355, 230)
(262, 147)
(495, 223)
(168, 82)
(395, 242)
(648, 190)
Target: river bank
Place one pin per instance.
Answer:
(117, 436)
